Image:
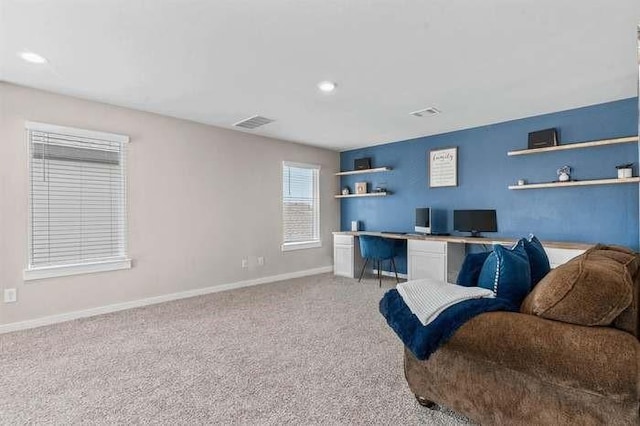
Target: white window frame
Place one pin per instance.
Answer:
(301, 245)
(41, 272)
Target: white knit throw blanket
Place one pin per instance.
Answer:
(427, 298)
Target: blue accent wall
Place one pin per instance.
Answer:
(606, 213)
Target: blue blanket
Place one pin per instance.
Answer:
(424, 340)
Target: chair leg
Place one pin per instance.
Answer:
(379, 273)
(393, 263)
(363, 268)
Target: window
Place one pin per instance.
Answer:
(300, 206)
(77, 201)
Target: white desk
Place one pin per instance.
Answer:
(437, 257)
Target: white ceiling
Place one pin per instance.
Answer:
(220, 61)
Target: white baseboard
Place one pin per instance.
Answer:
(68, 316)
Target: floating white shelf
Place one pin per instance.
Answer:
(576, 183)
(359, 172)
(368, 194)
(579, 145)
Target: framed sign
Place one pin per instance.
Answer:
(443, 167)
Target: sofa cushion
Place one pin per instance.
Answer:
(507, 273)
(627, 258)
(538, 260)
(470, 269)
(628, 319)
(591, 289)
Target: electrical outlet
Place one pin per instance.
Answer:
(10, 295)
(245, 263)
(261, 261)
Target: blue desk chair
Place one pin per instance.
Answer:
(378, 249)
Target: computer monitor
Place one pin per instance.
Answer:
(475, 221)
(430, 221)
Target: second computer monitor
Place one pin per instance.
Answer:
(475, 221)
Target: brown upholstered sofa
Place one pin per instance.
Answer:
(522, 368)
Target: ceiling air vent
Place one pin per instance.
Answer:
(253, 122)
(427, 112)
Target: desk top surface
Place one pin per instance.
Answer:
(465, 240)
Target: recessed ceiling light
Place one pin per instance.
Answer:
(34, 58)
(327, 86)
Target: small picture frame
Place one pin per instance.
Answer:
(443, 167)
(361, 187)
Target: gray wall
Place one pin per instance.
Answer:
(200, 199)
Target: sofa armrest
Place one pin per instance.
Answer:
(601, 359)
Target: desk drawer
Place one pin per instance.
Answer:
(343, 239)
(427, 246)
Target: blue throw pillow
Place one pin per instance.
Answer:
(507, 273)
(538, 259)
(470, 269)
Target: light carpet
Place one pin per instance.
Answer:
(312, 350)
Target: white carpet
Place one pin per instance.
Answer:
(312, 350)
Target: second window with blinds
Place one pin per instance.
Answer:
(300, 206)
(78, 206)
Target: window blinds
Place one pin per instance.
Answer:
(77, 196)
(301, 204)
